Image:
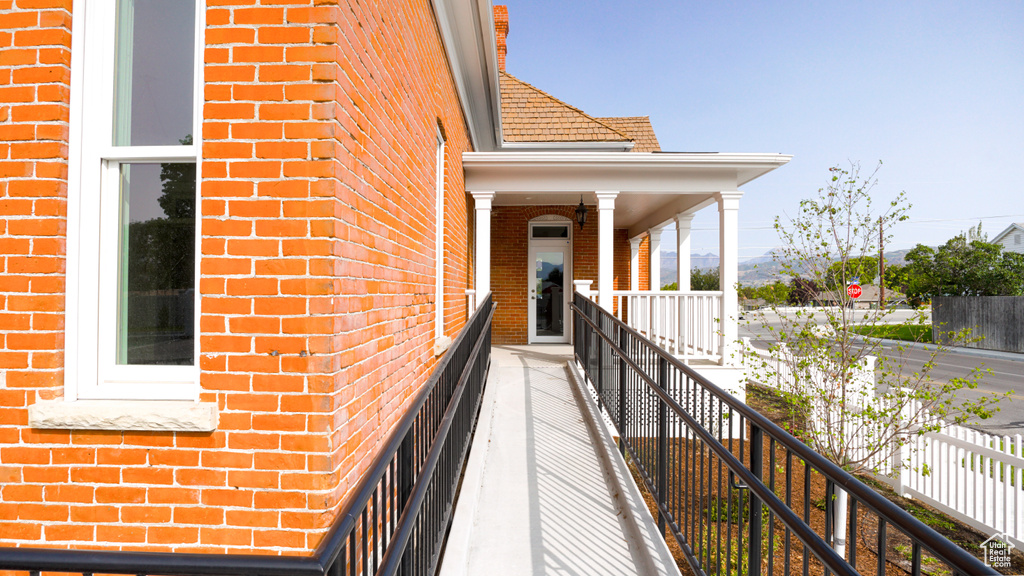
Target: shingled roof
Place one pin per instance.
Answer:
(529, 114)
(638, 128)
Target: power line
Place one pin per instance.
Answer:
(929, 221)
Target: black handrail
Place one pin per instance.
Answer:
(386, 490)
(630, 350)
(397, 553)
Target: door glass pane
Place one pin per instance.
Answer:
(156, 297)
(154, 72)
(560, 231)
(550, 301)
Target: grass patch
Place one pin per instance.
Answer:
(908, 332)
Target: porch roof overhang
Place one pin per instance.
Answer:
(653, 187)
(467, 32)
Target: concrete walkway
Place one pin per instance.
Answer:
(540, 496)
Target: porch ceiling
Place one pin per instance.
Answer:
(637, 211)
(653, 187)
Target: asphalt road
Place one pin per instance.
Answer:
(1004, 373)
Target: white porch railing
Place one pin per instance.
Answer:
(686, 324)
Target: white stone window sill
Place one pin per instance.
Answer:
(441, 344)
(177, 416)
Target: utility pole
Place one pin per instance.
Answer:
(881, 265)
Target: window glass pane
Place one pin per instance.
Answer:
(154, 72)
(156, 299)
(558, 231)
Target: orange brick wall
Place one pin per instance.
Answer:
(317, 276)
(36, 485)
(645, 263)
(34, 77)
(622, 256)
(622, 263)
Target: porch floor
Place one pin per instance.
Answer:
(542, 492)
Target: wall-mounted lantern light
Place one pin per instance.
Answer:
(581, 214)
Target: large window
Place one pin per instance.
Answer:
(132, 304)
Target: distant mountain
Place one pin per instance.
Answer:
(765, 269)
(753, 271)
(668, 264)
(897, 257)
(768, 256)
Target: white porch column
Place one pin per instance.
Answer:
(655, 260)
(482, 200)
(728, 273)
(683, 222)
(634, 262)
(583, 287)
(606, 248)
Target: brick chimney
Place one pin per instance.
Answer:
(501, 31)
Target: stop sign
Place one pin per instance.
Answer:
(853, 290)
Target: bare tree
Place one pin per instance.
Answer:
(862, 405)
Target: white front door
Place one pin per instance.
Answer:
(550, 288)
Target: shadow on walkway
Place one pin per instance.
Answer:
(537, 498)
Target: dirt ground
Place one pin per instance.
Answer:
(723, 513)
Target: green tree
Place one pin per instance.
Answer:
(699, 280)
(704, 279)
(1013, 273)
(862, 269)
(774, 292)
(966, 265)
(162, 250)
(896, 277)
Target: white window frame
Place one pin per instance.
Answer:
(440, 342)
(91, 371)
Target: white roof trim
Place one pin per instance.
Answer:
(653, 159)
(467, 32)
(683, 172)
(999, 237)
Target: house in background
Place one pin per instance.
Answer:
(1011, 239)
(238, 237)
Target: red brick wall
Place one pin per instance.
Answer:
(317, 276)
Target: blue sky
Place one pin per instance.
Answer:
(933, 89)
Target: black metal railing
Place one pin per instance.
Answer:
(739, 494)
(393, 522)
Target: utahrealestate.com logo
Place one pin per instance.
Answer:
(997, 551)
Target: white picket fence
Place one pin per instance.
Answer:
(974, 477)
